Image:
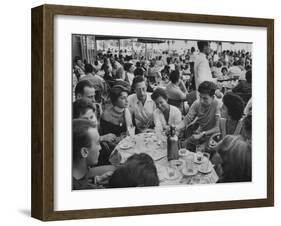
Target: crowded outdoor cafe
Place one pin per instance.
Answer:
(158, 112)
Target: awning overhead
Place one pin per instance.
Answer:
(150, 40)
(111, 37)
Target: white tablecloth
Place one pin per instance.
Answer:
(156, 147)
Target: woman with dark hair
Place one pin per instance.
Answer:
(236, 154)
(116, 118)
(138, 171)
(231, 113)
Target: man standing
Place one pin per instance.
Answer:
(193, 55)
(202, 71)
(141, 105)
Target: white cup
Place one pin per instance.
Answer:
(199, 156)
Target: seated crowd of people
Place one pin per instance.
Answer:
(117, 92)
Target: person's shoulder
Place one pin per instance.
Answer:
(127, 113)
(228, 139)
(168, 87)
(195, 104)
(200, 56)
(231, 139)
(107, 112)
(175, 110)
(132, 97)
(86, 77)
(98, 78)
(238, 141)
(157, 111)
(216, 102)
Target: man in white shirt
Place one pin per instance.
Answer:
(193, 55)
(202, 71)
(141, 105)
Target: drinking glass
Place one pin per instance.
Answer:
(131, 130)
(199, 156)
(189, 161)
(158, 132)
(205, 166)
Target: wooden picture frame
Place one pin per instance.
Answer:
(43, 111)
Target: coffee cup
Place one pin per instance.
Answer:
(199, 156)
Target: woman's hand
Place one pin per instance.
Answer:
(108, 138)
(121, 137)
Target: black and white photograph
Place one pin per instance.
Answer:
(160, 112)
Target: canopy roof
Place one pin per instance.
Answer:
(107, 37)
(142, 40)
(150, 40)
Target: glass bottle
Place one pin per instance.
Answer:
(172, 144)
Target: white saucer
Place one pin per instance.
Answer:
(202, 169)
(126, 145)
(190, 171)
